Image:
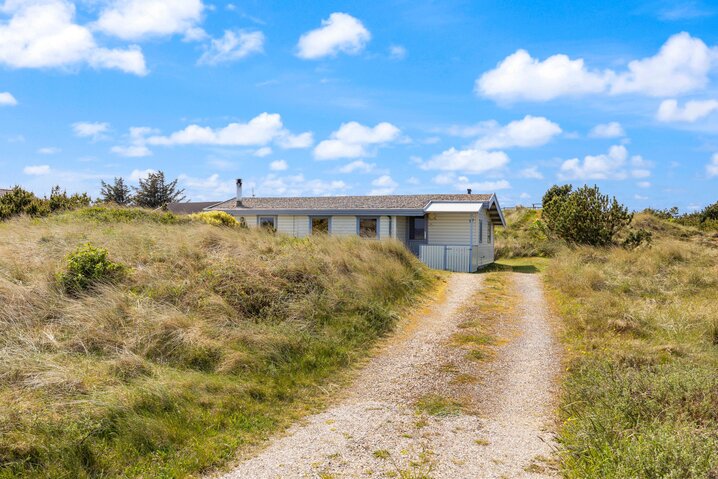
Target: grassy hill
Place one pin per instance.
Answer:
(641, 332)
(211, 340)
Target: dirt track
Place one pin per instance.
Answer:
(376, 432)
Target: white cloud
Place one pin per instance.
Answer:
(94, 130)
(644, 184)
(137, 147)
(48, 150)
(613, 165)
(383, 185)
(37, 170)
(397, 52)
(138, 19)
(712, 167)
(607, 130)
(352, 140)
(132, 151)
(462, 183)
(339, 33)
(201, 187)
(43, 34)
(358, 166)
(233, 46)
(531, 172)
(278, 165)
(693, 110)
(469, 161)
(521, 77)
(682, 65)
(302, 140)
(6, 99)
(298, 185)
(137, 175)
(263, 151)
(531, 131)
(259, 131)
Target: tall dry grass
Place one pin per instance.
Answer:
(215, 338)
(641, 391)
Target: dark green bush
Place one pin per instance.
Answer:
(88, 266)
(584, 216)
(22, 202)
(636, 238)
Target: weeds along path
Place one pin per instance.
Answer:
(464, 391)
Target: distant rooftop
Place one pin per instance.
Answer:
(3, 191)
(187, 208)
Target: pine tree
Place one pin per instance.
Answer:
(118, 192)
(155, 192)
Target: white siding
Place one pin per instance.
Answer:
(449, 228)
(485, 249)
(344, 225)
(293, 225)
(384, 227)
(454, 229)
(250, 221)
(401, 228)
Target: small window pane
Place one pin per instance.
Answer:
(367, 227)
(267, 222)
(417, 228)
(320, 226)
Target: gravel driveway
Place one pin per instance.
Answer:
(376, 432)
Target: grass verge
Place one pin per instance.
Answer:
(641, 389)
(214, 339)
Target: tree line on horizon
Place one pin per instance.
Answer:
(152, 192)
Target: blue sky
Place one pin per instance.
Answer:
(318, 98)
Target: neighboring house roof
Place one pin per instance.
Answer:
(2, 191)
(410, 205)
(189, 207)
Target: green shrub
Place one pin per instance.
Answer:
(216, 218)
(636, 238)
(21, 202)
(110, 214)
(88, 266)
(584, 216)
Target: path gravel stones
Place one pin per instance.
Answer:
(375, 431)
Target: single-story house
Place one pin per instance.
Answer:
(453, 232)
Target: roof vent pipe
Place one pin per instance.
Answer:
(239, 191)
(468, 191)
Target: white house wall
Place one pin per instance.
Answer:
(250, 221)
(384, 227)
(344, 225)
(402, 224)
(293, 225)
(454, 229)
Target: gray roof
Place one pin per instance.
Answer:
(2, 191)
(189, 207)
(411, 202)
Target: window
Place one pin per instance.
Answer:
(417, 228)
(320, 225)
(481, 231)
(368, 227)
(267, 222)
